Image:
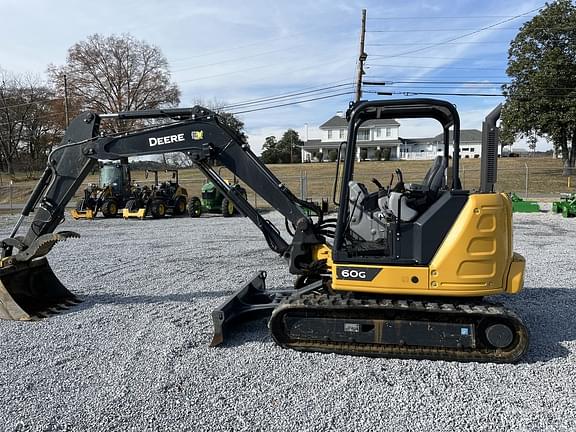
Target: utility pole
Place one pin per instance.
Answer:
(66, 100)
(361, 58)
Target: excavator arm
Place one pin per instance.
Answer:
(199, 133)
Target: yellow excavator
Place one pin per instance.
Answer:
(400, 272)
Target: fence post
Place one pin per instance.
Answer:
(11, 208)
(526, 186)
(303, 185)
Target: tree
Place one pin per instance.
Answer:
(287, 150)
(270, 151)
(116, 73)
(27, 130)
(541, 97)
(289, 147)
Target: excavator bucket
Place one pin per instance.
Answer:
(82, 214)
(31, 290)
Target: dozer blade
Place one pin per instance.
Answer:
(82, 214)
(30, 290)
(249, 302)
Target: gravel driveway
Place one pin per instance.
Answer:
(134, 355)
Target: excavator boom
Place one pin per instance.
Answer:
(25, 275)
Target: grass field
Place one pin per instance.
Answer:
(544, 177)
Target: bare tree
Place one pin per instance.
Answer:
(116, 73)
(26, 117)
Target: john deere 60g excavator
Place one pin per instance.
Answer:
(400, 272)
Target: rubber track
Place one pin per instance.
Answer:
(348, 307)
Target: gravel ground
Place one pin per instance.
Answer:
(134, 355)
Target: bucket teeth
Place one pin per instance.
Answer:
(44, 244)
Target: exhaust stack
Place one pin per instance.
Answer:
(489, 163)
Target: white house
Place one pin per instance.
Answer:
(379, 139)
(429, 148)
(373, 136)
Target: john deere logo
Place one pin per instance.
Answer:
(197, 135)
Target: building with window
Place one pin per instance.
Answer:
(379, 139)
(376, 139)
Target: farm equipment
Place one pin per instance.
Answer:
(566, 205)
(159, 200)
(399, 272)
(109, 196)
(520, 205)
(214, 201)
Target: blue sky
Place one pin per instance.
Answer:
(229, 52)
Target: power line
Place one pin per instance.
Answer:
(420, 17)
(437, 30)
(282, 96)
(237, 47)
(313, 66)
(524, 99)
(293, 103)
(434, 67)
(468, 34)
(387, 82)
(444, 43)
(431, 58)
(239, 58)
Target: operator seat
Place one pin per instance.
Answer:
(435, 178)
(417, 197)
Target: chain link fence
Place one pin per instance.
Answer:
(529, 178)
(528, 181)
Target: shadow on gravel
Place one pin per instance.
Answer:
(549, 315)
(243, 332)
(547, 312)
(113, 298)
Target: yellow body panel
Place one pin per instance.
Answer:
(475, 256)
(474, 259)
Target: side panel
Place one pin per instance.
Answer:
(477, 252)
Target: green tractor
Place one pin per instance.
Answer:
(213, 201)
(566, 205)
